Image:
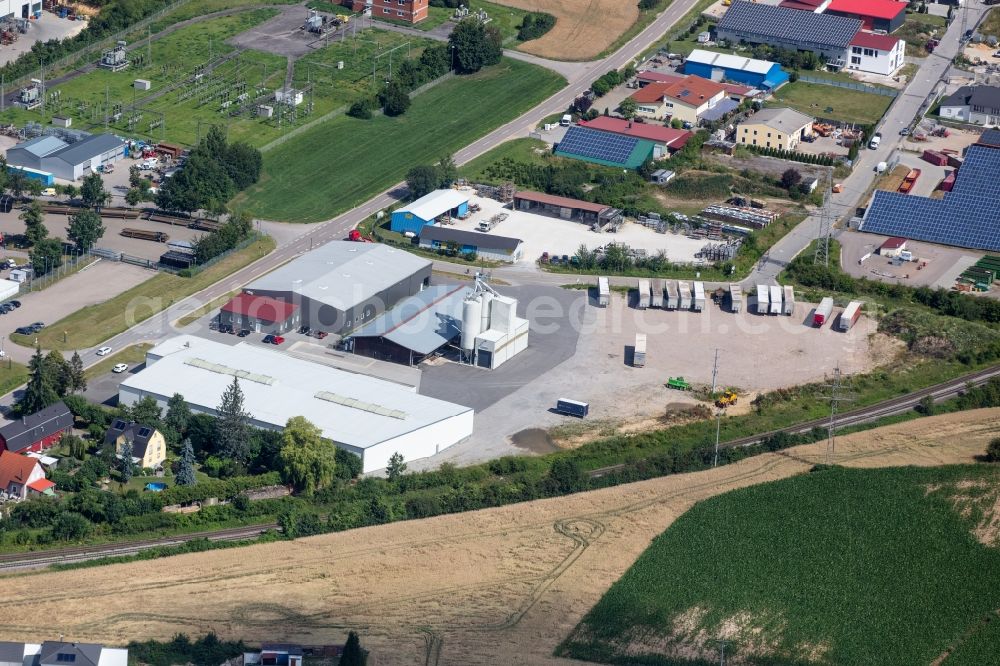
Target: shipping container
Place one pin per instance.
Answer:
(823, 311)
(763, 299)
(639, 351)
(699, 297)
(643, 301)
(935, 158)
(849, 317)
(774, 295)
(788, 307)
(656, 298)
(572, 407)
(603, 292)
(683, 295)
(735, 297)
(670, 289)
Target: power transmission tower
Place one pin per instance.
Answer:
(722, 650)
(822, 252)
(837, 395)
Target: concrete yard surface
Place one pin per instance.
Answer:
(542, 233)
(944, 263)
(47, 28)
(94, 284)
(756, 353)
(457, 590)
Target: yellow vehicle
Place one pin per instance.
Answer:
(344, 19)
(726, 398)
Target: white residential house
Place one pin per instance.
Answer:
(979, 105)
(877, 54)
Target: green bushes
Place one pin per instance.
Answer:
(943, 337)
(534, 25)
(806, 158)
(181, 650)
(603, 85)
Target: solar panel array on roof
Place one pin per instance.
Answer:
(966, 217)
(354, 403)
(990, 137)
(763, 23)
(233, 372)
(598, 145)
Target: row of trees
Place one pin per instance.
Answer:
(534, 25)
(603, 84)
(237, 229)
(214, 172)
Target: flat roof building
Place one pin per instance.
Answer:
(566, 208)
(428, 209)
(260, 314)
(370, 417)
(342, 285)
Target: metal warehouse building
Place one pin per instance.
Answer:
(486, 246)
(342, 285)
(370, 417)
(827, 36)
(428, 209)
(761, 74)
(68, 161)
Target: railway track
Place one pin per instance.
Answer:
(893, 406)
(18, 561)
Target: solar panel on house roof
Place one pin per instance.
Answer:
(990, 137)
(807, 28)
(598, 145)
(966, 217)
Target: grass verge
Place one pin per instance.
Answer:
(130, 356)
(359, 158)
(96, 323)
(195, 315)
(12, 375)
(794, 574)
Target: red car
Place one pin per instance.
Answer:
(321, 334)
(277, 340)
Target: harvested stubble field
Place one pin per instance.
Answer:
(584, 28)
(460, 589)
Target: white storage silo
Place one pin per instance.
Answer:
(472, 312)
(486, 299)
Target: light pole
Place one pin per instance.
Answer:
(453, 57)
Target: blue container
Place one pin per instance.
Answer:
(156, 487)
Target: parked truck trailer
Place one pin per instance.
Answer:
(656, 297)
(763, 299)
(698, 304)
(788, 307)
(683, 295)
(774, 295)
(823, 311)
(639, 351)
(672, 297)
(603, 292)
(735, 297)
(572, 407)
(643, 301)
(849, 317)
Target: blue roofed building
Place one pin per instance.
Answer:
(428, 209)
(761, 74)
(967, 216)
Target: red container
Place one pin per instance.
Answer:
(936, 158)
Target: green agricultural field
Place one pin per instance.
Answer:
(838, 566)
(832, 102)
(341, 163)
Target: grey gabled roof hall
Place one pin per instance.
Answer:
(85, 149)
(479, 239)
(749, 19)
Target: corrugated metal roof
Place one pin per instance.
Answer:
(42, 145)
(564, 202)
(438, 202)
(89, 148)
(422, 323)
(293, 392)
(727, 61)
(434, 232)
(341, 273)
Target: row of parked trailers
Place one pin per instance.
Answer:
(671, 295)
(775, 299)
(848, 318)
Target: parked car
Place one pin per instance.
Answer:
(119, 368)
(226, 328)
(104, 351)
(320, 334)
(304, 330)
(24, 330)
(5, 308)
(37, 326)
(277, 339)
(244, 333)
(268, 339)
(16, 304)
(904, 132)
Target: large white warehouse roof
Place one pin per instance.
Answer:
(355, 410)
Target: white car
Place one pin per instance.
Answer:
(119, 368)
(104, 351)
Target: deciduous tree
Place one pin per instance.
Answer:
(34, 228)
(421, 180)
(85, 229)
(396, 466)
(92, 191)
(307, 461)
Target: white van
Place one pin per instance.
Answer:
(566, 120)
(876, 140)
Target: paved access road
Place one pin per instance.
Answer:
(911, 103)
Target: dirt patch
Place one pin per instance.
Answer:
(535, 440)
(978, 501)
(584, 28)
(479, 586)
